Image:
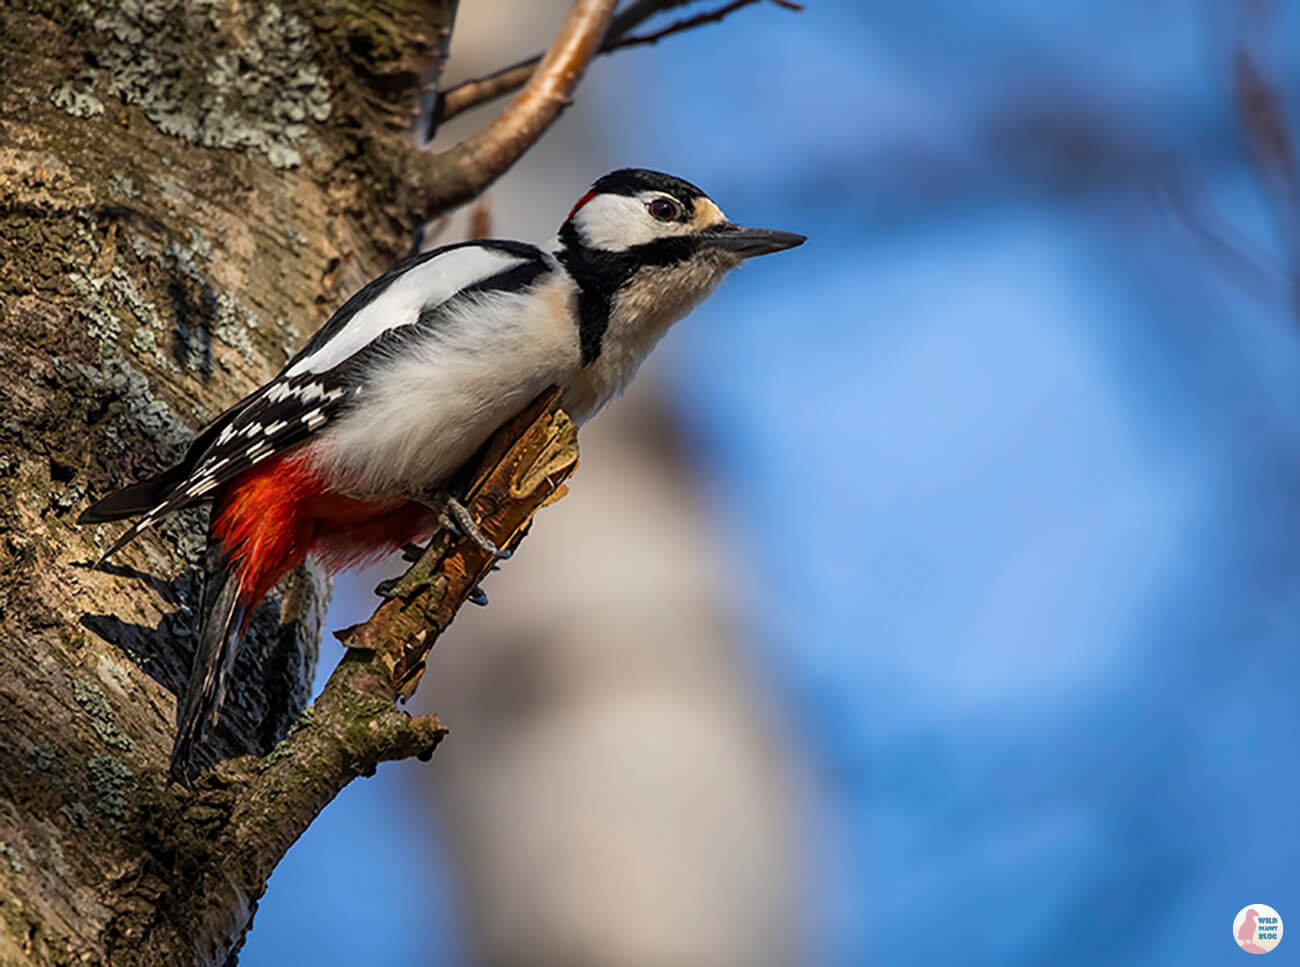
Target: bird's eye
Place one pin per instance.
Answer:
(665, 209)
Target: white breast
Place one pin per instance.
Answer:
(422, 413)
(641, 314)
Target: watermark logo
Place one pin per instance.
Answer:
(1257, 929)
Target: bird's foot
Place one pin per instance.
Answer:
(456, 517)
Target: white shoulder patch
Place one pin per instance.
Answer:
(428, 284)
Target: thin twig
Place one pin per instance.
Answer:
(478, 91)
(1263, 116)
(459, 174)
(1253, 268)
(472, 93)
(480, 219)
(698, 20)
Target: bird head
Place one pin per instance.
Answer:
(646, 247)
(658, 219)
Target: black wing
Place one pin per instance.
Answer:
(281, 415)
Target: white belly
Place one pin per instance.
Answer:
(424, 412)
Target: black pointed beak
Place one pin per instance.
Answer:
(748, 242)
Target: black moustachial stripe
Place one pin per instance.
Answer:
(601, 273)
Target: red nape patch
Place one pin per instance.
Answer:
(581, 201)
(271, 517)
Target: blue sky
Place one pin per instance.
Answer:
(1033, 448)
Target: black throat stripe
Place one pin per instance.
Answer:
(601, 273)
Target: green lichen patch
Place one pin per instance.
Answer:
(75, 813)
(92, 701)
(216, 74)
(120, 184)
(43, 755)
(109, 778)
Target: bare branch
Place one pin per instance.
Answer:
(472, 93)
(263, 806)
(461, 173)
(523, 469)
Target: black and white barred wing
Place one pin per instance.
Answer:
(281, 416)
(319, 382)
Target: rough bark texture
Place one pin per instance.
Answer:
(186, 189)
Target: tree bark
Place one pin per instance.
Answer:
(186, 190)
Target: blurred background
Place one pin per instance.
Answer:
(933, 597)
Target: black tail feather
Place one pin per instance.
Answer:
(150, 498)
(136, 499)
(148, 494)
(223, 627)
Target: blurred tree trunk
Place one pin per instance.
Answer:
(186, 190)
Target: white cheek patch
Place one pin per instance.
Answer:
(616, 223)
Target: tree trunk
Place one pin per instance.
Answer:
(186, 189)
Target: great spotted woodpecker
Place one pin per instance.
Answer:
(346, 453)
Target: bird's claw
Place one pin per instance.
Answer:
(455, 516)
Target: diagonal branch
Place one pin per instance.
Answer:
(261, 807)
(522, 469)
(457, 175)
(472, 93)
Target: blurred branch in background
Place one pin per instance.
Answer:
(619, 789)
(472, 93)
(1263, 117)
(1261, 114)
(460, 173)
(480, 219)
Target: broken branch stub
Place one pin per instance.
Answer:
(522, 468)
